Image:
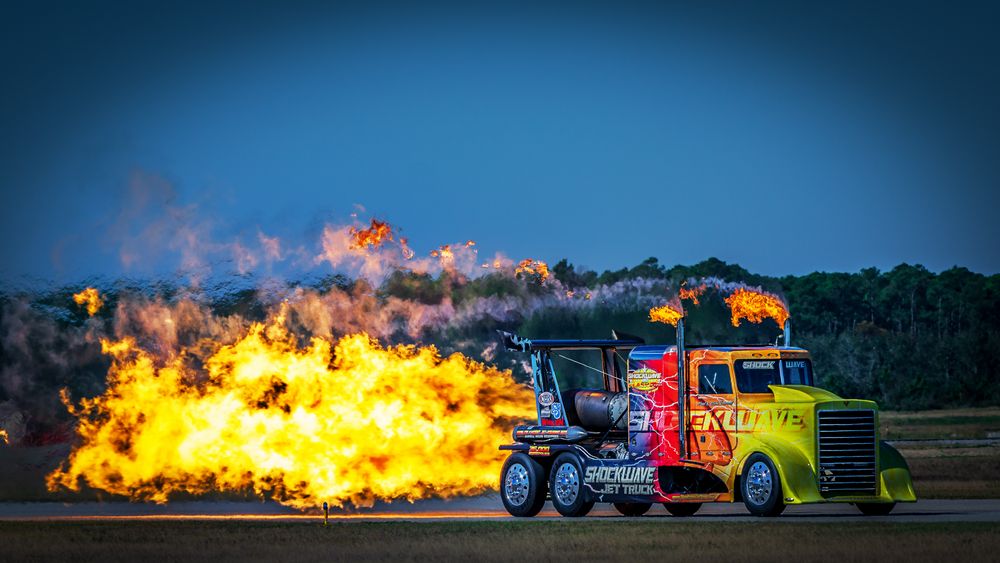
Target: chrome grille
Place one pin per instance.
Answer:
(847, 463)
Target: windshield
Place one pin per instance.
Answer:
(753, 376)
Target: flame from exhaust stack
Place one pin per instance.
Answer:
(91, 299)
(4, 437)
(756, 305)
(336, 421)
(692, 294)
(668, 314)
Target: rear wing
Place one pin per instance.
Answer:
(516, 343)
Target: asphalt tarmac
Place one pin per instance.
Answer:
(486, 508)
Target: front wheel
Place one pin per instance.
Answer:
(522, 485)
(876, 508)
(682, 508)
(632, 508)
(566, 485)
(761, 487)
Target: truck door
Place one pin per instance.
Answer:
(712, 408)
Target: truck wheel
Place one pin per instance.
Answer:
(761, 486)
(876, 508)
(632, 508)
(522, 485)
(566, 486)
(682, 508)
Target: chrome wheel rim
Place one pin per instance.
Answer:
(567, 484)
(759, 483)
(515, 486)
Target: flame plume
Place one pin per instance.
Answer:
(91, 299)
(377, 234)
(531, 267)
(692, 294)
(345, 421)
(665, 314)
(4, 436)
(755, 306)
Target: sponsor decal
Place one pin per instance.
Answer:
(539, 433)
(758, 364)
(643, 379)
(539, 450)
(556, 409)
(546, 412)
(795, 364)
(620, 480)
(546, 398)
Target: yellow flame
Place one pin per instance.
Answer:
(4, 437)
(665, 314)
(755, 306)
(91, 299)
(345, 421)
(446, 255)
(530, 267)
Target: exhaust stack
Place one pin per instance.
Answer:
(788, 332)
(681, 386)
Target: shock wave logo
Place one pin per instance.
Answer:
(620, 480)
(746, 420)
(759, 364)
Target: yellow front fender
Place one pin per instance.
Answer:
(897, 484)
(796, 471)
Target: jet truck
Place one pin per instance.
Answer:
(683, 425)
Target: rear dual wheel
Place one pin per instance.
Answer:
(566, 487)
(522, 485)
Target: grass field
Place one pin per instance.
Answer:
(942, 469)
(495, 541)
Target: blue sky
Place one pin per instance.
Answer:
(786, 138)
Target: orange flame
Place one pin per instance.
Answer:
(345, 421)
(693, 293)
(665, 314)
(531, 267)
(4, 437)
(374, 236)
(755, 306)
(91, 299)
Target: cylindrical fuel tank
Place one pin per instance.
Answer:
(597, 410)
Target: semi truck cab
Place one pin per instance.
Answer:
(684, 425)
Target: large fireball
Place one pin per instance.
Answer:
(345, 421)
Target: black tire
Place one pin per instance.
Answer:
(569, 496)
(682, 508)
(761, 487)
(524, 495)
(876, 508)
(632, 508)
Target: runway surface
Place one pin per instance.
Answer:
(484, 508)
